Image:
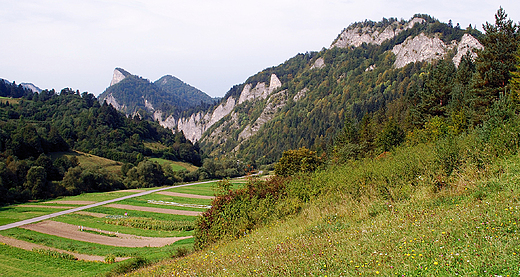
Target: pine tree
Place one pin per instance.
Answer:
(496, 61)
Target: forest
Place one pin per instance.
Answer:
(34, 125)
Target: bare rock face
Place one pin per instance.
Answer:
(117, 77)
(274, 104)
(300, 94)
(111, 100)
(467, 44)
(420, 48)
(318, 64)
(260, 91)
(372, 35)
(423, 48)
(195, 125)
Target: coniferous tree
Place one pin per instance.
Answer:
(495, 62)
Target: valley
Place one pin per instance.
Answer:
(394, 151)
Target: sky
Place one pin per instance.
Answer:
(209, 44)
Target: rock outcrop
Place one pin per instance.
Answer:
(355, 36)
(420, 48)
(274, 104)
(424, 48)
(467, 44)
(111, 100)
(119, 75)
(318, 64)
(195, 125)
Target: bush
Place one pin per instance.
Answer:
(294, 161)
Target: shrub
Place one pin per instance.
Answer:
(294, 161)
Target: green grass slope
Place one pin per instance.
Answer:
(401, 214)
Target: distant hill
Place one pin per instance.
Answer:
(32, 87)
(191, 95)
(133, 95)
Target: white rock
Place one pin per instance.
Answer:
(467, 44)
(117, 77)
(319, 63)
(419, 48)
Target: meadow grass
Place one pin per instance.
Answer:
(89, 160)
(423, 224)
(10, 214)
(173, 165)
(18, 262)
(4, 100)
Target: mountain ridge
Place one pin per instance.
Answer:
(318, 84)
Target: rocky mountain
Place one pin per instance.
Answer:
(32, 87)
(306, 100)
(132, 95)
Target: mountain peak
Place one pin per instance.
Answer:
(119, 75)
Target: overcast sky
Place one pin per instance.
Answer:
(209, 44)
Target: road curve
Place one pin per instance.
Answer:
(44, 217)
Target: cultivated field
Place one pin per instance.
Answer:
(104, 239)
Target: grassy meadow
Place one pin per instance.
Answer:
(9, 99)
(89, 160)
(407, 213)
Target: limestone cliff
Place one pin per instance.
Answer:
(198, 123)
(119, 75)
(467, 44)
(355, 36)
(424, 48)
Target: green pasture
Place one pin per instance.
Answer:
(207, 189)
(89, 160)
(9, 99)
(173, 165)
(144, 203)
(18, 262)
(96, 196)
(12, 214)
(159, 216)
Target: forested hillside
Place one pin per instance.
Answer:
(33, 125)
(359, 86)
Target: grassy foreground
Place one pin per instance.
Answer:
(465, 224)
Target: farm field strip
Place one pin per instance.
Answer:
(44, 217)
(70, 231)
(186, 195)
(70, 202)
(32, 246)
(154, 210)
(47, 206)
